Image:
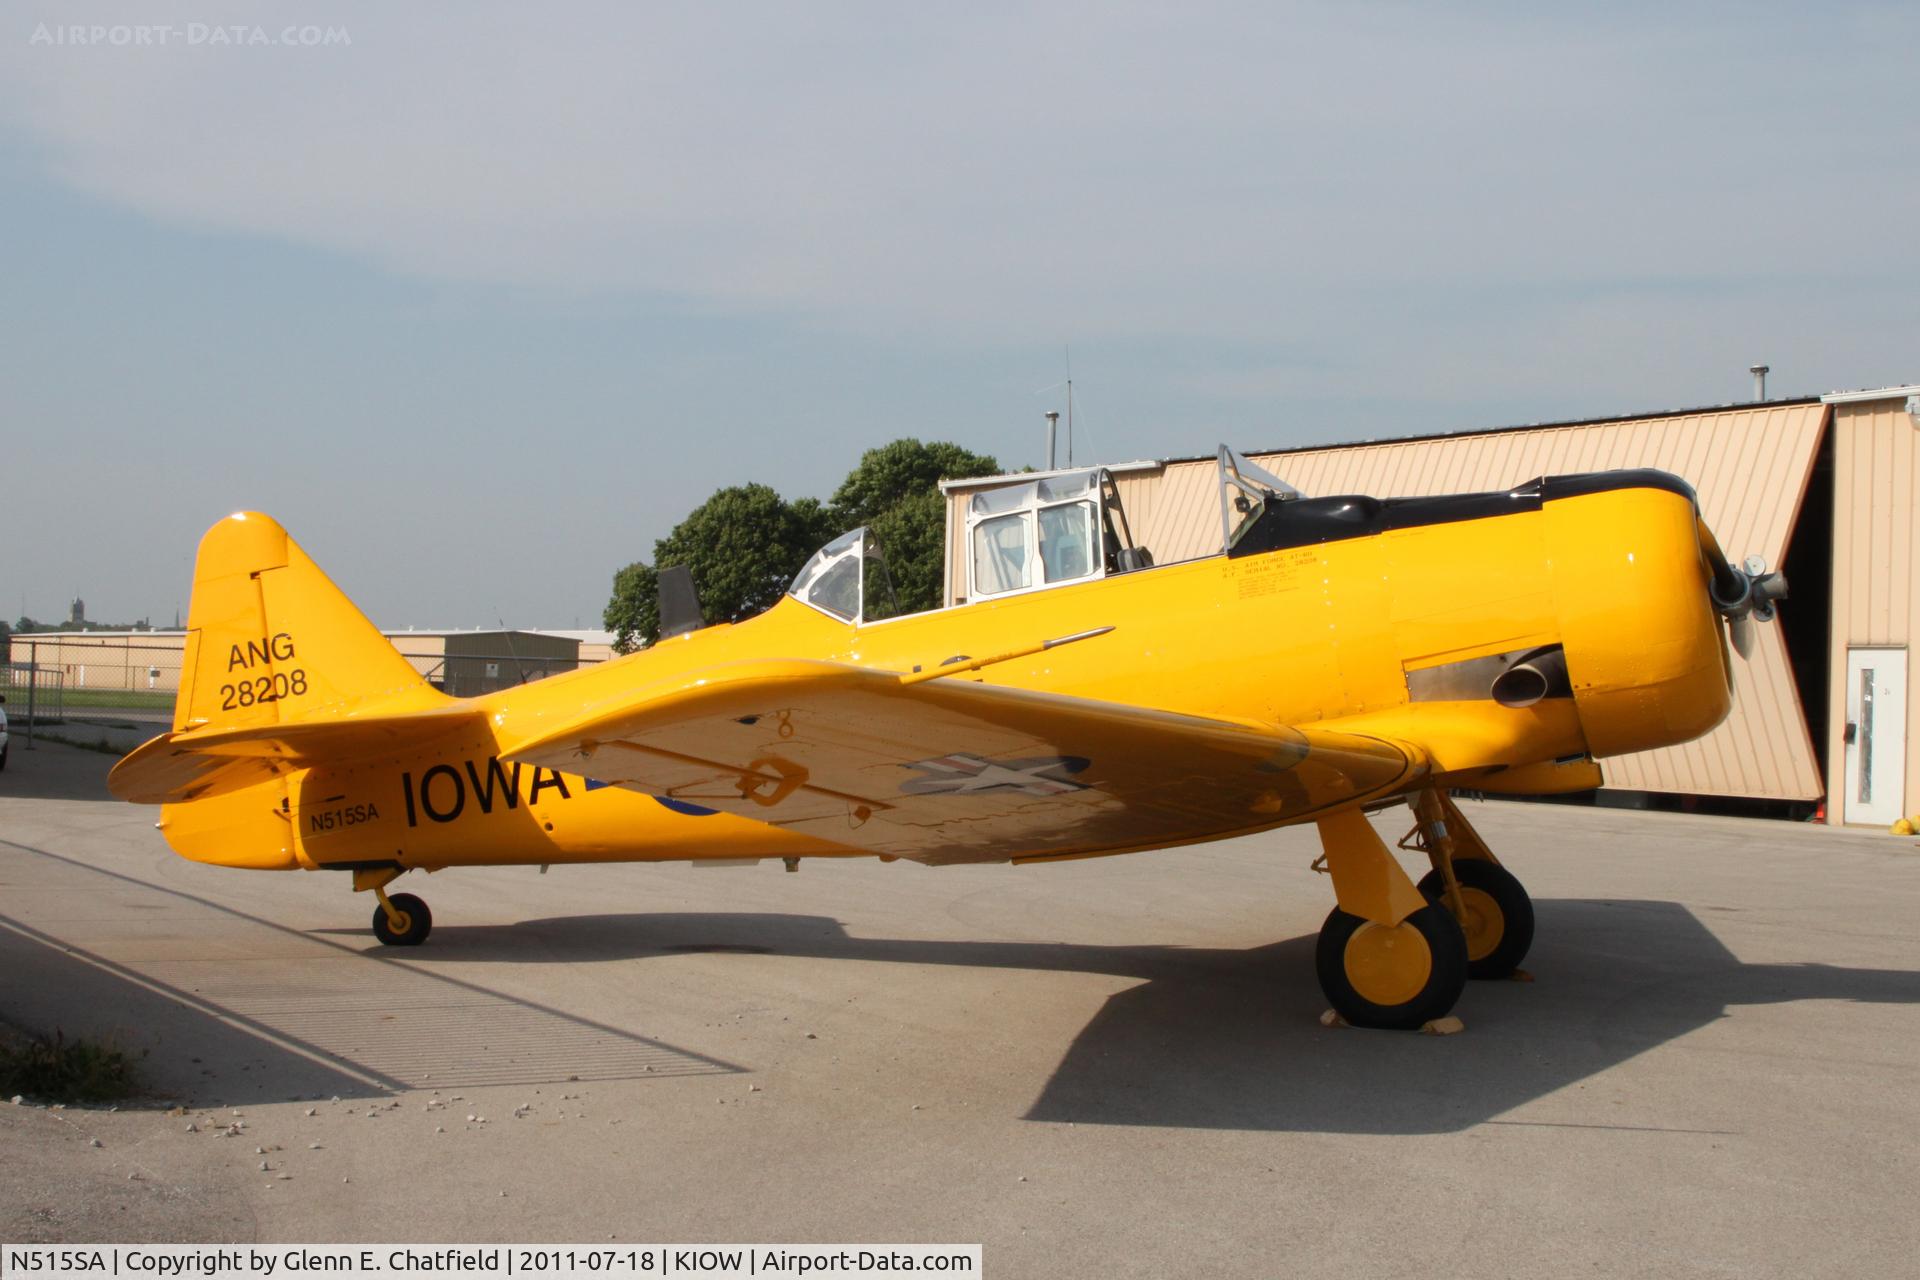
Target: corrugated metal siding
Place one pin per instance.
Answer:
(1876, 472)
(1180, 511)
(1750, 467)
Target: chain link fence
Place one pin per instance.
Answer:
(131, 682)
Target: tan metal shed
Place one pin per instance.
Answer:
(1873, 774)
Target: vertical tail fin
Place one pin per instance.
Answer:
(270, 639)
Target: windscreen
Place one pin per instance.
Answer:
(831, 580)
(1000, 555)
(1066, 541)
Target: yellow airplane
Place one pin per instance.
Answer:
(1336, 656)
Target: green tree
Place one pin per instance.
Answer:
(895, 491)
(899, 470)
(633, 614)
(914, 533)
(819, 523)
(743, 546)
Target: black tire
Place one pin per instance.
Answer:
(418, 925)
(1445, 979)
(3, 756)
(1497, 904)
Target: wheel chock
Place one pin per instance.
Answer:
(1332, 1019)
(1447, 1026)
(1519, 975)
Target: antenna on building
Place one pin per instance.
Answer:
(1053, 417)
(1069, 421)
(1759, 372)
(1067, 349)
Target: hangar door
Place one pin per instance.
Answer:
(1876, 735)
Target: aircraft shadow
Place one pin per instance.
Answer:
(220, 1034)
(185, 1048)
(54, 771)
(1230, 1039)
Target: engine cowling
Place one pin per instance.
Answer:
(1645, 651)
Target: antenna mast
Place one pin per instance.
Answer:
(1069, 421)
(1068, 347)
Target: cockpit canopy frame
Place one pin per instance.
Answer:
(1032, 533)
(1054, 530)
(1245, 490)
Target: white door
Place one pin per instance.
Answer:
(1876, 735)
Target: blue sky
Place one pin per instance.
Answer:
(480, 301)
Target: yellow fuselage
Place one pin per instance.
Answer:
(1327, 633)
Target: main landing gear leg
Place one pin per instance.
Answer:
(1491, 906)
(399, 921)
(1387, 957)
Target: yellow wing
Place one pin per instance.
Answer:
(952, 770)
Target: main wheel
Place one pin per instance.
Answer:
(416, 922)
(1398, 978)
(1499, 925)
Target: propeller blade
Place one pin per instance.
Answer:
(1743, 596)
(1740, 631)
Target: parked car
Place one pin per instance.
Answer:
(3, 731)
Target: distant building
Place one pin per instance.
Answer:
(462, 663)
(466, 663)
(595, 645)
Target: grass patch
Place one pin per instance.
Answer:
(63, 1070)
(142, 698)
(101, 744)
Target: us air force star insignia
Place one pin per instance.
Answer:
(963, 774)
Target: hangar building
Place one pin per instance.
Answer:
(1821, 487)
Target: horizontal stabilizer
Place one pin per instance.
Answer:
(176, 767)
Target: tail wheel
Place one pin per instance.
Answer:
(1398, 977)
(415, 922)
(1499, 924)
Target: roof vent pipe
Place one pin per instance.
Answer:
(1759, 372)
(1053, 427)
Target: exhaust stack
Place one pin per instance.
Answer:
(1537, 675)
